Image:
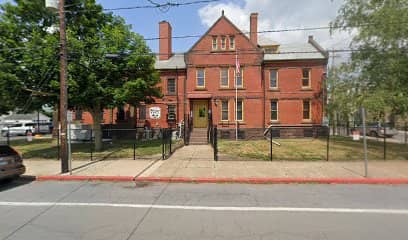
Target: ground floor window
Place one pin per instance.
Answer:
(224, 110)
(240, 110)
(306, 109)
(171, 112)
(274, 110)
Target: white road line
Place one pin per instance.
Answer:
(209, 208)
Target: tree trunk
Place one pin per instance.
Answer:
(97, 129)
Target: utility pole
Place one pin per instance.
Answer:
(63, 89)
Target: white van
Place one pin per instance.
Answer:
(15, 129)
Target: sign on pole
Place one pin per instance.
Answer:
(51, 4)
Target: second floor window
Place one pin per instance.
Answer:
(214, 43)
(273, 78)
(274, 110)
(224, 110)
(224, 77)
(171, 86)
(200, 78)
(306, 110)
(239, 78)
(223, 42)
(305, 77)
(231, 42)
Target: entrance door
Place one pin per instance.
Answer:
(200, 114)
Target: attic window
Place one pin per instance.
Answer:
(271, 49)
(223, 42)
(214, 43)
(231, 42)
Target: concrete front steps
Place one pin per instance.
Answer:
(198, 136)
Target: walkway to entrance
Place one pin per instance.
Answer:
(194, 152)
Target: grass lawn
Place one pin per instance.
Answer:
(310, 149)
(47, 148)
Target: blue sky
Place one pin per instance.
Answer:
(273, 14)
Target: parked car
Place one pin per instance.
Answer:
(11, 163)
(18, 129)
(377, 130)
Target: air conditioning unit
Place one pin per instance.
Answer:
(171, 116)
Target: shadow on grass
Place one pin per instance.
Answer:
(48, 149)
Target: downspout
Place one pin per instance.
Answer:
(177, 99)
(263, 86)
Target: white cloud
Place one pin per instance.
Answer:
(274, 14)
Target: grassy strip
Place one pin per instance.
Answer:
(311, 149)
(48, 149)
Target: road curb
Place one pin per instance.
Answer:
(378, 181)
(86, 178)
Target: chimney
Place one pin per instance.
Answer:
(253, 28)
(165, 50)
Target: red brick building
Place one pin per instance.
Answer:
(277, 84)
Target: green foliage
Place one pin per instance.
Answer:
(29, 58)
(378, 71)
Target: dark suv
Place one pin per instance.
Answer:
(11, 163)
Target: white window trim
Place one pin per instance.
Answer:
(228, 78)
(197, 86)
(277, 78)
(229, 42)
(277, 110)
(225, 42)
(216, 43)
(236, 110)
(310, 78)
(228, 111)
(241, 69)
(310, 109)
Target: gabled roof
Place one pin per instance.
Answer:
(216, 22)
(174, 62)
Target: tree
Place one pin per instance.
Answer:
(108, 64)
(379, 66)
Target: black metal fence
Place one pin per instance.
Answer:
(136, 143)
(316, 143)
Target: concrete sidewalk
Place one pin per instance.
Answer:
(197, 162)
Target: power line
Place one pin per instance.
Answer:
(279, 30)
(168, 4)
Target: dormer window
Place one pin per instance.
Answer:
(231, 42)
(214, 43)
(223, 42)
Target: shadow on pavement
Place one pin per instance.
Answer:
(8, 184)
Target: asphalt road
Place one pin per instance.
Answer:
(94, 210)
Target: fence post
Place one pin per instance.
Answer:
(134, 145)
(163, 142)
(328, 143)
(215, 144)
(406, 135)
(270, 143)
(58, 144)
(385, 142)
(8, 135)
(91, 142)
(170, 136)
